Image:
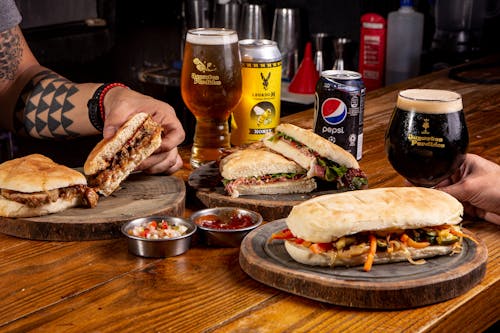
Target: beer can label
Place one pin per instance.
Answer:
(258, 112)
(339, 107)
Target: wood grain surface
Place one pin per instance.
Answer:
(98, 286)
(390, 286)
(140, 195)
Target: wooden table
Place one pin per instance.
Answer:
(98, 286)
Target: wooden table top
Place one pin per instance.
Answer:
(98, 286)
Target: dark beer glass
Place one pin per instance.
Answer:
(427, 137)
(210, 88)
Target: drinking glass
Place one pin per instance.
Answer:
(427, 137)
(210, 88)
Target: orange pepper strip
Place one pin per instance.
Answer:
(461, 234)
(410, 242)
(371, 254)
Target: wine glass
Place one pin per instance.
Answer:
(426, 140)
(210, 88)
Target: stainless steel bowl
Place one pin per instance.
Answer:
(225, 237)
(157, 248)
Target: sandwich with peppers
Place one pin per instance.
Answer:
(374, 226)
(321, 158)
(259, 171)
(112, 160)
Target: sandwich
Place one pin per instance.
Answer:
(259, 171)
(373, 226)
(35, 185)
(113, 159)
(321, 158)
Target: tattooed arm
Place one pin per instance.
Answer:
(35, 100)
(38, 102)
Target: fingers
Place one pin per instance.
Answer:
(165, 162)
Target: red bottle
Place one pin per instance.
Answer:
(372, 50)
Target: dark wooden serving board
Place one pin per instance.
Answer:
(140, 195)
(389, 286)
(271, 207)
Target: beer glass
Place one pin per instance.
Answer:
(210, 88)
(427, 137)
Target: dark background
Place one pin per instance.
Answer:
(133, 38)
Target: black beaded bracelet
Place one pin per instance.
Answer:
(94, 108)
(96, 104)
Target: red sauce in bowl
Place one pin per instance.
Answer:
(235, 221)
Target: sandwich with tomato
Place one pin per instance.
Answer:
(321, 158)
(259, 171)
(374, 226)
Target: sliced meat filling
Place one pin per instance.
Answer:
(129, 152)
(266, 179)
(87, 196)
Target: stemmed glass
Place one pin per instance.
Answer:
(427, 137)
(210, 88)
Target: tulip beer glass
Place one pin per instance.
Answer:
(210, 88)
(427, 137)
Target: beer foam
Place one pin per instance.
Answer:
(429, 101)
(211, 36)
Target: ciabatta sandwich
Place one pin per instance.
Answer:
(35, 185)
(373, 226)
(257, 171)
(113, 159)
(320, 157)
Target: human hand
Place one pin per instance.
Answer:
(477, 185)
(121, 103)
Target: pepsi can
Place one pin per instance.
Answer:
(338, 109)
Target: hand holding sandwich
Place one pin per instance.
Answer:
(121, 103)
(477, 185)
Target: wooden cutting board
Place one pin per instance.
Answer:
(271, 207)
(139, 196)
(390, 286)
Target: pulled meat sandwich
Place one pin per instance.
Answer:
(321, 158)
(35, 185)
(258, 171)
(373, 226)
(113, 159)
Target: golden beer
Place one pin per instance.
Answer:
(210, 88)
(258, 112)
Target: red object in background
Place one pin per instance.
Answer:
(372, 50)
(304, 82)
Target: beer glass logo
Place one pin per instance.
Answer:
(333, 111)
(202, 67)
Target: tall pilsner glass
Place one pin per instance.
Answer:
(210, 88)
(427, 137)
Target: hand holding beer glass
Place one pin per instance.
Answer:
(427, 137)
(210, 88)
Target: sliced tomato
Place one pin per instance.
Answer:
(284, 234)
(321, 247)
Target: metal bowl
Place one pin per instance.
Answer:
(159, 248)
(225, 237)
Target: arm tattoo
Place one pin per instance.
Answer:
(44, 107)
(11, 53)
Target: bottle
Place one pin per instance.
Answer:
(405, 29)
(372, 50)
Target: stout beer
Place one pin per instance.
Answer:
(210, 88)
(427, 137)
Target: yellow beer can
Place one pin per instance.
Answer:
(258, 111)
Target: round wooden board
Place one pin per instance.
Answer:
(389, 286)
(140, 195)
(271, 207)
